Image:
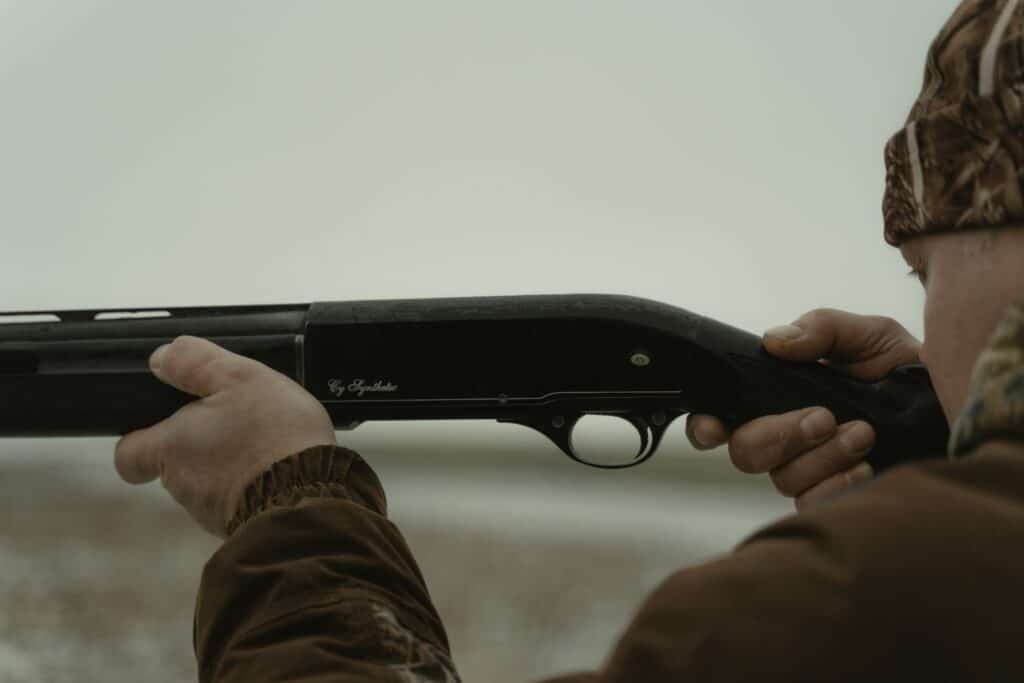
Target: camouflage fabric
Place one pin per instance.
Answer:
(957, 164)
(995, 404)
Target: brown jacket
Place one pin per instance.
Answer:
(916, 576)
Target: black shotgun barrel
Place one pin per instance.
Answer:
(86, 373)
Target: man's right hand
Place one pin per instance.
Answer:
(810, 458)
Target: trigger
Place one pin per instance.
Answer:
(652, 428)
(644, 430)
(660, 422)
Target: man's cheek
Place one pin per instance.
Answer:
(936, 353)
(929, 350)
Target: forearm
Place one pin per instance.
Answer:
(317, 582)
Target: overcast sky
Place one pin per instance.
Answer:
(722, 157)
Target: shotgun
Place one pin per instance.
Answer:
(540, 361)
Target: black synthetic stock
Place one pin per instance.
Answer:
(541, 361)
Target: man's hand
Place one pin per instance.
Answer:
(248, 417)
(808, 456)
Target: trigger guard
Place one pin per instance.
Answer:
(559, 426)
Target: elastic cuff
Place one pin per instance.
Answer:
(318, 472)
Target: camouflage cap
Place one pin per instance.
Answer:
(958, 162)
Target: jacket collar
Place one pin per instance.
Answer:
(995, 403)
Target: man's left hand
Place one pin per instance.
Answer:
(248, 417)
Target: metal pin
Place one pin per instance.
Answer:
(640, 359)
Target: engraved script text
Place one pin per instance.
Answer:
(359, 387)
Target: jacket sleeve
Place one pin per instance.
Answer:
(915, 576)
(315, 584)
(917, 572)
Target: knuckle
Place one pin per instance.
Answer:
(170, 480)
(831, 459)
(758, 447)
(200, 372)
(740, 452)
(827, 459)
(815, 495)
(813, 469)
(890, 335)
(216, 368)
(784, 444)
(741, 463)
(231, 369)
(784, 483)
(836, 461)
(804, 502)
(885, 334)
(882, 322)
(179, 485)
(819, 317)
(179, 357)
(889, 326)
(183, 345)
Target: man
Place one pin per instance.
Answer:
(915, 575)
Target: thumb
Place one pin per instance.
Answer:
(198, 366)
(866, 347)
(136, 458)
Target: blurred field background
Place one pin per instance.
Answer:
(536, 563)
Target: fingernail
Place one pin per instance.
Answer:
(702, 435)
(857, 438)
(817, 425)
(785, 332)
(156, 360)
